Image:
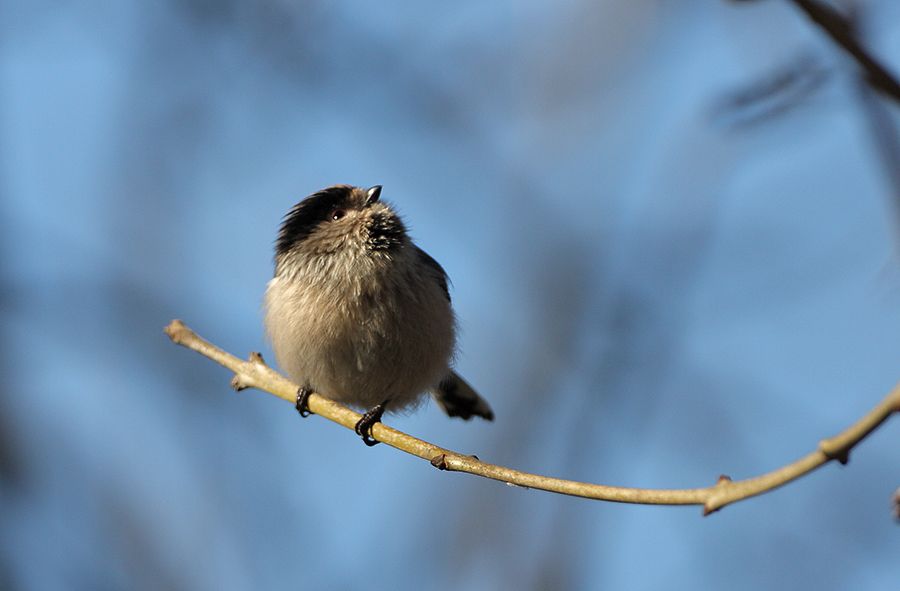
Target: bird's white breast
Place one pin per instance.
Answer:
(361, 332)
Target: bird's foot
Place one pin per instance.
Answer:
(364, 425)
(302, 404)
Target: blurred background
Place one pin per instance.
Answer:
(672, 231)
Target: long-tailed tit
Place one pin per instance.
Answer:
(358, 313)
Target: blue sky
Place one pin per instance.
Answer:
(655, 282)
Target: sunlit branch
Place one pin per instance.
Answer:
(254, 373)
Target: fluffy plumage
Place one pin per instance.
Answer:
(357, 312)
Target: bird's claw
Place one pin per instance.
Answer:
(364, 425)
(302, 404)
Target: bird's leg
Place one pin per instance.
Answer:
(364, 425)
(302, 404)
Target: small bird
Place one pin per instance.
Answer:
(359, 314)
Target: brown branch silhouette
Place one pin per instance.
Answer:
(842, 32)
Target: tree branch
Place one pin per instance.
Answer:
(841, 30)
(254, 373)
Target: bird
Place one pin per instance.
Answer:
(358, 313)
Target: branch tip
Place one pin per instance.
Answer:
(709, 509)
(176, 330)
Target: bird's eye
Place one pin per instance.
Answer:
(338, 214)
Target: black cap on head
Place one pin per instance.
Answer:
(305, 216)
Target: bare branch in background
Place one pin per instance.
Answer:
(786, 88)
(775, 93)
(256, 374)
(881, 125)
(841, 30)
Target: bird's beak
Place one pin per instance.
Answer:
(373, 194)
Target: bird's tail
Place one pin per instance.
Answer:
(458, 399)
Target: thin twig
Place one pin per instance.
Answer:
(841, 30)
(256, 374)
